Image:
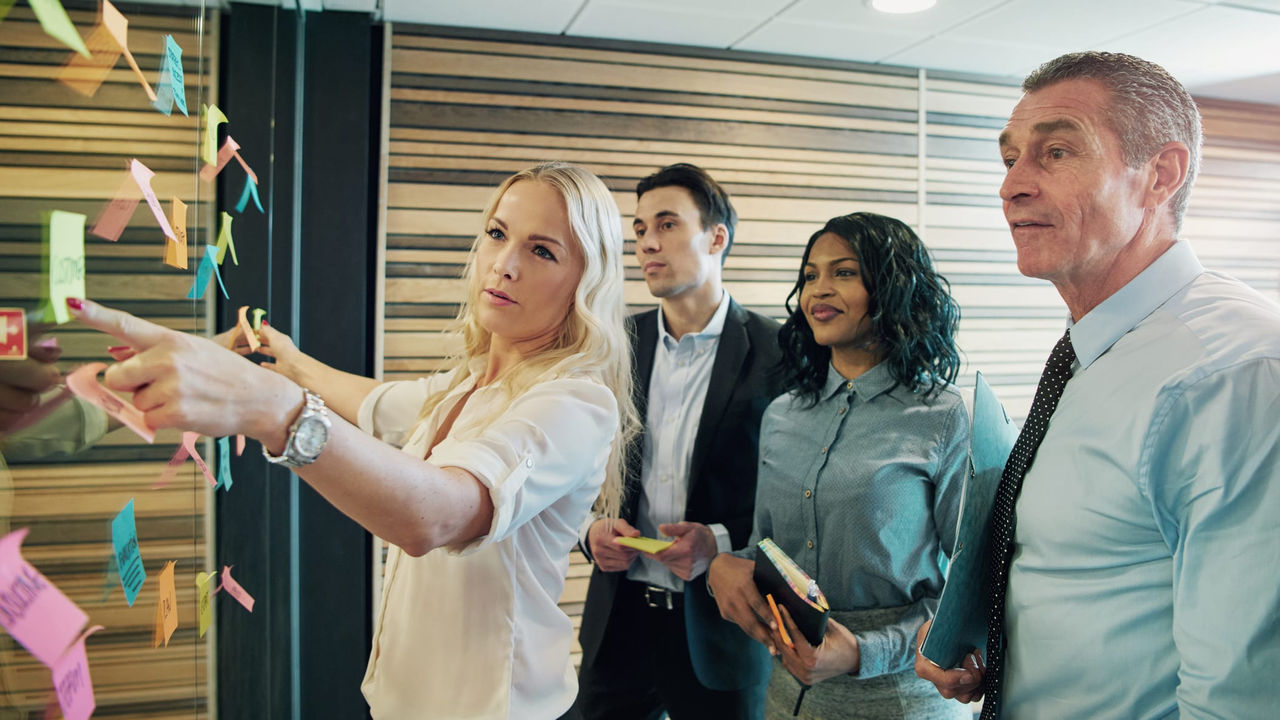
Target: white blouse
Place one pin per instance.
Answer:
(475, 631)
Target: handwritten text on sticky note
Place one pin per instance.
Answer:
(124, 537)
(32, 609)
(83, 381)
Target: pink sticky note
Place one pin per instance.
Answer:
(71, 680)
(116, 213)
(171, 470)
(230, 585)
(247, 169)
(84, 382)
(32, 609)
(189, 442)
(225, 153)
(142, 175)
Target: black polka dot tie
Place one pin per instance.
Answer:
(1057, 371)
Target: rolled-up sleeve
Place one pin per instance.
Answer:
(550, 441)
(390, 411)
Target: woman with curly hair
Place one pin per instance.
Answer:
(861, 466)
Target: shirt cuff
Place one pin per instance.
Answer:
(583, 531)
(724, 543)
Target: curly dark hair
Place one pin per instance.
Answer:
(913, 316)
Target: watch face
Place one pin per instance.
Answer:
(310, 437)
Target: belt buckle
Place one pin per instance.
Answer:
(658, 597)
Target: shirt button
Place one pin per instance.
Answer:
(528, 462)
(848, 386)
(824, 449)
(842, 410)
(810, 544)
(808, 493)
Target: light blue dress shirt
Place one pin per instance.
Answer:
(863, 492)
(1146, 578)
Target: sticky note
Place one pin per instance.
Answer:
(224, 462)
(175, 251)
(250, 191)
(54, 20)
(225, 241)
(118, 26)
(83, 381)
(115, 215)
(166, 607)
(189, 444)
(230, 585)
(171, 469)
(71, 680)
(63, 263)
(213, 117)
(142, 175)
(5, 7)
(250, 332)
(225, 153)
(34, 611)
(85, 74)
(248, 170)
(257, 318)
(13, 333)
(208, 265)
(124, 538)
(204, 608)
(171, 89)
(644, 544)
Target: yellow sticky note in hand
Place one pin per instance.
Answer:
(644, 544)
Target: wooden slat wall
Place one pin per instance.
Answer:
(61, 150)
(795, 141)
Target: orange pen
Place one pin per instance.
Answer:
(782, 629)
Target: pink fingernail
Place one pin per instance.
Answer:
(48, 343)
(75, 303)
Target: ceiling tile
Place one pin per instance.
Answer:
(1212, 45)
(1058, 25)
(856, 13)
(684, 25)
(544, 16)
(840, 42)
(976, 56)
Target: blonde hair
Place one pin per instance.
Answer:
(593, 339)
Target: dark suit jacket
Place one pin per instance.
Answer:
(722, 488)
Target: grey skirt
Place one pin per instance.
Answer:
(887, 697)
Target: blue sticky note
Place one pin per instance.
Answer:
(172, 87)
(209, 264)
(250, 190)
(224, 463)
(124, 537)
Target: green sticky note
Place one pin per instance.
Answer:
(5, 7)
(63, 263)
(54, 20)
(213, 117)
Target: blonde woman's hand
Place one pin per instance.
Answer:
(286, 358)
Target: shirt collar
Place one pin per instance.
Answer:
(714, 327)
(1102, 326)
(867, 385)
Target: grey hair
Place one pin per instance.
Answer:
(1149, 108)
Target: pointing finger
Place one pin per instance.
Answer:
(133, 331)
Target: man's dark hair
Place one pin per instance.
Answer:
(1149, 108)
(714, 207)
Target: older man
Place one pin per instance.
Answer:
(1136, 534)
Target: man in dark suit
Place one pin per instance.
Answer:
(652, 637)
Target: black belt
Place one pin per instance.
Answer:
(661, 598)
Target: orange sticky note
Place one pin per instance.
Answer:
(84, 382)
(85, 74)
(247, 329)
(166, 607)
(118, 26)
(175, 252)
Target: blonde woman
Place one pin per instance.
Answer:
(500, 457)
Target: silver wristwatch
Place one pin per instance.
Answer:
(308, 435)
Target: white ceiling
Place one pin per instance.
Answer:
(1218, 48)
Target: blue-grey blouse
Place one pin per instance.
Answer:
(863, 491)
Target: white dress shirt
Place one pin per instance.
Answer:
(677, 391)
(475, 631)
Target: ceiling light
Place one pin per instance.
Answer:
(901, 7)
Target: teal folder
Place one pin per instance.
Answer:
(960, 625)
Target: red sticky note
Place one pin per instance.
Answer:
(115, 215)
(13, 333)
(32, 609)
(72, 683)
(84, 382)
(230, 585)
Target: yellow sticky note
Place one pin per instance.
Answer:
(225, 241)
(166, 607)
(175, 250)
(63, 263)
(54, 20)
(257, 319)
(118, 26)
(213, 117)
(205, 612)
(644, 544)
